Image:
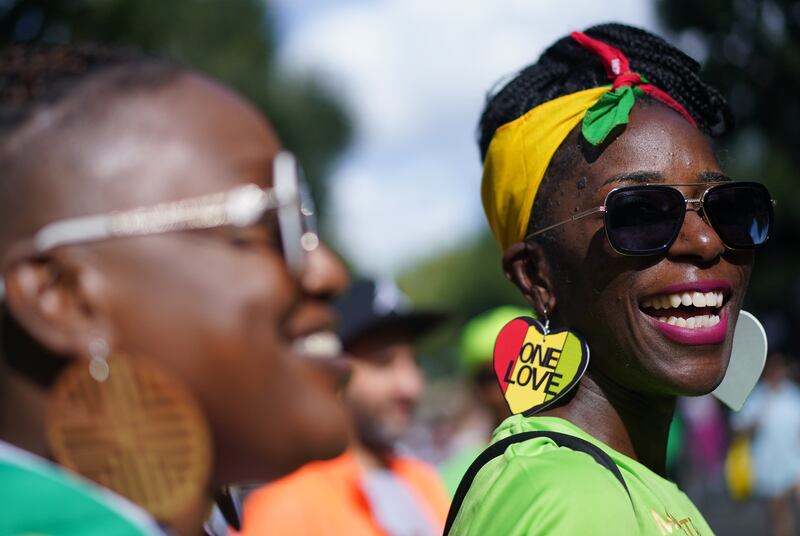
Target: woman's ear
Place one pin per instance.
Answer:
(48, 300)
(525, 264)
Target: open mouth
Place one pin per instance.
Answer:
(318, 345)
(692, 313)
(686, 309)
(322, 350)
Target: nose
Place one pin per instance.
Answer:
(696, 240)
(325, 275)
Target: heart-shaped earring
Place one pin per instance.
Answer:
(536, 367)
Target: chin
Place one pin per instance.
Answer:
(701, 376)
(327, 439)
(267, 458)
(330, 446)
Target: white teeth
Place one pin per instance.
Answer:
(320, 345)
(699, 299)
(686, 299)
(694, 322)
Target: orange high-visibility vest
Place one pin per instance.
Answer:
(325, 498)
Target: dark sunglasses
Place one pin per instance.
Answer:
(646, 219)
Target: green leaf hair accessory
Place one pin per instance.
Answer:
(610, 111)
(613, 108)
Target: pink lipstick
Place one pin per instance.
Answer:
(694, 336)
(692, 312)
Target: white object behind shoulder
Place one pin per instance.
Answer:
(748, 355)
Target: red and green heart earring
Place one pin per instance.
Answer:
(534, 366)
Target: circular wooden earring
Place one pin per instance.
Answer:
(130, 427)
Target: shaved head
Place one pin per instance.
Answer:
(50, 97)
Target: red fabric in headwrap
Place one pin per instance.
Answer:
(618, 68)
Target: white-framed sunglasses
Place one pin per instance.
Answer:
(241, 206)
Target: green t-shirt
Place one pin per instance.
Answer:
(38, 498)
(536, 487)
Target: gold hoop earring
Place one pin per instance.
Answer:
(132, 428)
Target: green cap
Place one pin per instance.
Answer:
(478, 336)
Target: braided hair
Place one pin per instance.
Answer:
(567, 67)
(36, 75)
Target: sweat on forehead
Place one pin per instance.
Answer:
(656, 146)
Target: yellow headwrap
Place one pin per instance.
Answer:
(517, 159)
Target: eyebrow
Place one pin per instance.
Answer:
(645, 177)
(713, 176)
(636, 176)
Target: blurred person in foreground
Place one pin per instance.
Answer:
(372, 489)
(771, 416)
(618, 226)
(165, 317)
(475, 362)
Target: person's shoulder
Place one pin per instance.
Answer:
(793, 389)
(552, 467)
(414, 466)
(552, 460)
(311, 478)
(426, 480)
(281, 506)
(546, 488)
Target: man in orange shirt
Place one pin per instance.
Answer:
(371, 489)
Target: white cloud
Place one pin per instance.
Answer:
(414, 73)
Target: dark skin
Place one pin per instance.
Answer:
(217, 310)
(627, 397)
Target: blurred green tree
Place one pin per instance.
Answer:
(233, 40)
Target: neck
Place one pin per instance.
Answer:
(631, 423)
(22, 413)
(369, 458)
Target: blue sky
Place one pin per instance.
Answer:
(414, 75)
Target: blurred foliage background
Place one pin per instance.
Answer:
(749, 48)
(233, 40)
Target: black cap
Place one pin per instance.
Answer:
(371, 305)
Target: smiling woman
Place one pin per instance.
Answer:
(166, 327)
(617, 224)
